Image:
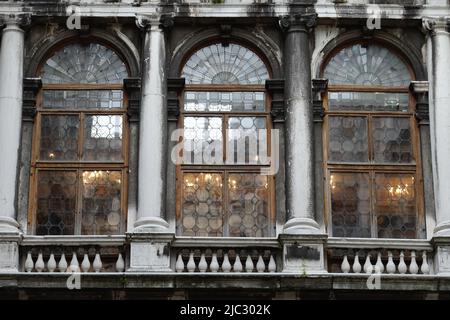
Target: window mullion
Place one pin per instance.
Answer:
(81, 137)
(225, 198)
(79, 203)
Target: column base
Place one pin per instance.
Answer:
(442, 229)
(303, 254)
(441, 255)
(9, 225)
(151, 225)
(9, 252)
(301, 226)
(150, 252)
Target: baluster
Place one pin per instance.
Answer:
(424, 268)
(97, 264)
(272, 265)
(368, 267)
(74, 265)
(390, 266)
(345, 266)
(356, 264)
(39, 266)
(120, 264)
(214, 266)
(202, 265)
(85, 264)
(179, 266)
(260, 265)
(51, 263)
(226, 266)
(191, 263)
(402, 268)
(62, 265)
(413, 267)
(249, 264)
(379, 267)
(29, 264)
(237, 266)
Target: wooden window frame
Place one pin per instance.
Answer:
(225, 169)
(370, 167)
(78, 165)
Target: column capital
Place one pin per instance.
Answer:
(301, 22)
(18, 20)
(154, 22)
(435, 25)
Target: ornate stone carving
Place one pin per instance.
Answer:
(298, 22)
(275, 88)
(319, 86)
(133, 88)
(164, 21)
(434, 24)
(174, 87)
(31, 87)
(420, 90)
(21, 20)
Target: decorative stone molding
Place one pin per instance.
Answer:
(434, 25)
(133, 88)
(21, 20)
(319, 86)
(164, 21)
(174, 87)
(420, 90)
(31, 87)
(275, 88)
(303, 22)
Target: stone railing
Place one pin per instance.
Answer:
(379, 256)
(72, 254)
(225, 255)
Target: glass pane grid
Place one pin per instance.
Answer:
(219, 64)
(199, 101)
(101, 209)
(82, 99)
(239, 209)
(367, 65)
(79, 63)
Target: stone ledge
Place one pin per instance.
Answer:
(266, 281)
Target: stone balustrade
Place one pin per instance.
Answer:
(72, 254)
(373, 255)
(225, 260)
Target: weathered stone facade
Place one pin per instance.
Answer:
(301, 259)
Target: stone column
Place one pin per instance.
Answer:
(439, 79)
(439, 120)
(11, 85)
(302, 238)
(299, 127)
(151, 237)
(152, 130)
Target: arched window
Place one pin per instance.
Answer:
(225, 117)
(371, 148)
(79, 154)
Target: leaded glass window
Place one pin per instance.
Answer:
(80, 158)
(225, 116)
(372, 166)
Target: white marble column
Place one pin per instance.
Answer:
(439, 73)
(152, 131)
(11, 79)
(299, 128)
